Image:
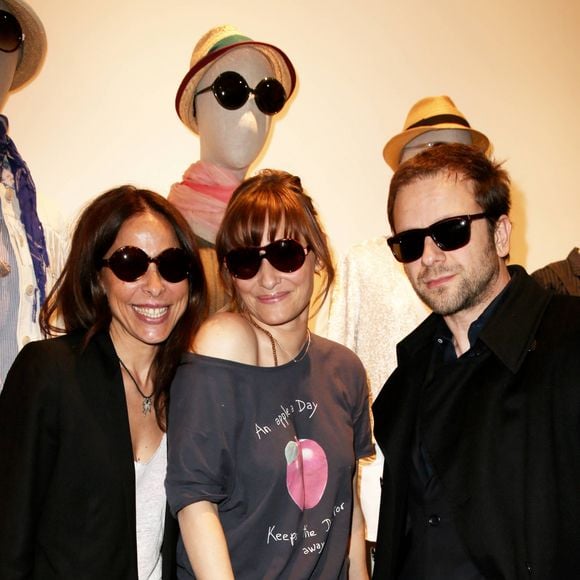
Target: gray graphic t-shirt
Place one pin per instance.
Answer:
(275, 448)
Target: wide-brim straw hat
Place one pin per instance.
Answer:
(429, 114)
(34, 45)
(214, 44)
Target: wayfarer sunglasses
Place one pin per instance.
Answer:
(130, 263)
(285, 255)
(449, 234)
(232, 91)
(11, 35)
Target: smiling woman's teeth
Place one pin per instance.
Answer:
(151, 312)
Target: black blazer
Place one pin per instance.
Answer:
(506, 447)
(67, 480)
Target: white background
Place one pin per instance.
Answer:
(101, 112)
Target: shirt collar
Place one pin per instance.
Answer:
(445, 338)
(509, 330)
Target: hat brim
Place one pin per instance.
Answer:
(394, 147)
(34, 46)
(283, 70)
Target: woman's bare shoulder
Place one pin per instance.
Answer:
(229, 336)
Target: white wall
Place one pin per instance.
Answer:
(101, 112)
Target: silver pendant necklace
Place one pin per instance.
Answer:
(147, 402)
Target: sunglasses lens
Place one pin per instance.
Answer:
(408, 246)
(173, 265)
(129, 263)
(286, 255)
(230, 90)
(451, 234)
(243, 263)
(270, 96)
(10, 32)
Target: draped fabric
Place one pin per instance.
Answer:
(202, 197)
(26, 195)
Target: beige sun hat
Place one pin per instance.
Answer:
(211, 46)
(34, 45)
(429, 114)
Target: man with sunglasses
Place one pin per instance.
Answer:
(26, 273)
(479, 423)
(229, 97)
(372, 302)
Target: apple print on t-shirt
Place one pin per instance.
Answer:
(306, 472)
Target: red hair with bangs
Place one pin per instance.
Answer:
(276, 200)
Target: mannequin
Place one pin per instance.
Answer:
(25, 246)
(231, 139)
(563, 276)
(429, 138)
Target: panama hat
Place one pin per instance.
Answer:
(34, 46)
(429, 114)
(211, 46)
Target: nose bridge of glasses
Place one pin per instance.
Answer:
(268, 274)
(152, 276)
(432, 250)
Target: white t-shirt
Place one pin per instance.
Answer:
(150, 511)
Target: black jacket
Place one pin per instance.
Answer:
(506, 447)
(67, 479)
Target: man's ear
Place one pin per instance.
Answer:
(502, 235)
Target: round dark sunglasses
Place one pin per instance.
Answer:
(11, 35)
(232, 91)
(285, 255)
(130, 263)
(449, 234)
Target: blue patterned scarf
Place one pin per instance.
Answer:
(26, 195)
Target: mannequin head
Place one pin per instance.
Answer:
(432, 120)
(430, 138)
(233, 138)
(19, 66)
(8, 64)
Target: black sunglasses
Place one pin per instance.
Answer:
(11, 35)
(285, 255)
(449, 234)
(130, 263)
(232, 91)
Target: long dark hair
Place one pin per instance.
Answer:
(78, 301)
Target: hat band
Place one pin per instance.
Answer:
(438, 120)
(228, 41)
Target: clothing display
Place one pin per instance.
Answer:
(498, 430)
(67, 473)
(561, 277)
(372, 307)
(25, 276)
(202, 197)
(275, 448)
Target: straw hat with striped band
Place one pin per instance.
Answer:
(212, 46)
(430, 114)
(34, 46)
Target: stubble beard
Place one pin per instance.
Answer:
(475, 287)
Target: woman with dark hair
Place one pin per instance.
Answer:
(267, 421)
(83, 416)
